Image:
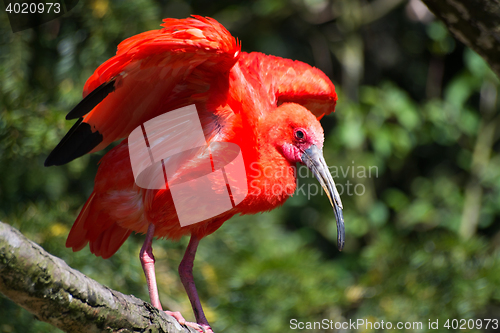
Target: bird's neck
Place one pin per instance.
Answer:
(271, 178)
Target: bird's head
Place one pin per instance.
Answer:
(298, 136)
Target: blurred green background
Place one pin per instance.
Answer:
(416, 108)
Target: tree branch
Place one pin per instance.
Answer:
(476, 23)
(59, 295)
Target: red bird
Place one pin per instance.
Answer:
(268, 106)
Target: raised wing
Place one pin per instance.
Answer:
(292, 81)
(152, 73)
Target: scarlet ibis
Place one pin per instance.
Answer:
(268, 106)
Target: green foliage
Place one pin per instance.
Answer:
(413, 147)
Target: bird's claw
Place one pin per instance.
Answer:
(202, 328)
(206, 328)
(199, 327)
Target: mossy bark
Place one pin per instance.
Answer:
(59, 295)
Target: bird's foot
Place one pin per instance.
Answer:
(202, 328)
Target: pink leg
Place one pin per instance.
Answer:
(148, 265)
(186, 274)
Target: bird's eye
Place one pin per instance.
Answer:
(300, 134)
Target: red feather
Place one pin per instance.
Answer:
(253, 100)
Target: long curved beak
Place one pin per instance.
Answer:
(314, 160)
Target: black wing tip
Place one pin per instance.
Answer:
(49, 161)
(55, 158)
(77, 142)
(95, 97)
(80, 139)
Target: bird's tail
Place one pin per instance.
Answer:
(97, 228)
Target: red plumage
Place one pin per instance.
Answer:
(256, 101)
